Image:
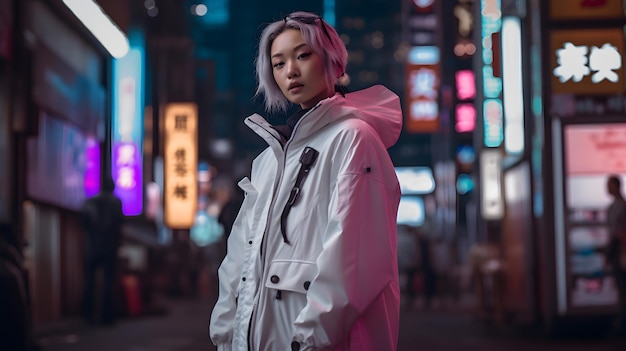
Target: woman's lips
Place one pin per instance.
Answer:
(294, 88)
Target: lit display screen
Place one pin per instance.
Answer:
(411, 211)
(592, 153)
(415, 180)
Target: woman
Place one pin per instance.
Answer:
(311, 260)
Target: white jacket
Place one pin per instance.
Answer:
(334, 286)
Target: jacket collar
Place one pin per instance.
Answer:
(377, 105)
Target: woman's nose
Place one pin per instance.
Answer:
(292, 70)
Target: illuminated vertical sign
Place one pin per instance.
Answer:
(127, 129)
(491, 24)
(465, 85)
(92, 167)
(422, 86)
(181, 165)
(465, 118)
(512, 85)
(422, 70)
(492, 120)
(465, 111)
(492, 198)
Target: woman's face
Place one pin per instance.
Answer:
(298, 70)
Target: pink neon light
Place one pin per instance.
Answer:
(465, 118)
(465, 85)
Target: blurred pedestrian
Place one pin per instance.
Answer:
(312, 256)
(15, 324)
(616, 251)
(228, 212)
(102, 220)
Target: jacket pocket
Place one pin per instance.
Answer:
(289, 275)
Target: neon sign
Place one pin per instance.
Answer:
(491, 23)
(127, 128)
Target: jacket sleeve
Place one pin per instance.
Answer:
(358, 259)
(223, 314)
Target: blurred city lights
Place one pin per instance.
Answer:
(464, 184)
(378, 40)
(199, 9)
(512, 84)
(100, 25)
(153, 11)
(415, 180)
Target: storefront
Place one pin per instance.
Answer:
(59, 127)
(585, 131)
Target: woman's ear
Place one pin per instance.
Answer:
(344, 79)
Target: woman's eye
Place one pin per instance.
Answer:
(277, 65)
(304, 55)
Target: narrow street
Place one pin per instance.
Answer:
(184, 328)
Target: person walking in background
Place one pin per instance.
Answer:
(102, 220)
(15, 326)
(312, 257)
(616, 253)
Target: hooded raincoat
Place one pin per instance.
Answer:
(331, 282)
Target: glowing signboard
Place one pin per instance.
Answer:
(465, 111)
(423, 89)
(181, 165)
(513, 85)
(465, 118)
(415, 180)
(596, 149)
(492, 199)
(127, 128)
(491, 23)
(92, 167)
(587, 62)
(465, 84)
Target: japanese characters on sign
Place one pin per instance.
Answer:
(422, 85)
(127, 130)
(127, 173)
(587, 62)
(181, 163)
(422, 70)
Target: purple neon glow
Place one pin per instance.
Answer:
(126, 171)
(92, 167)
